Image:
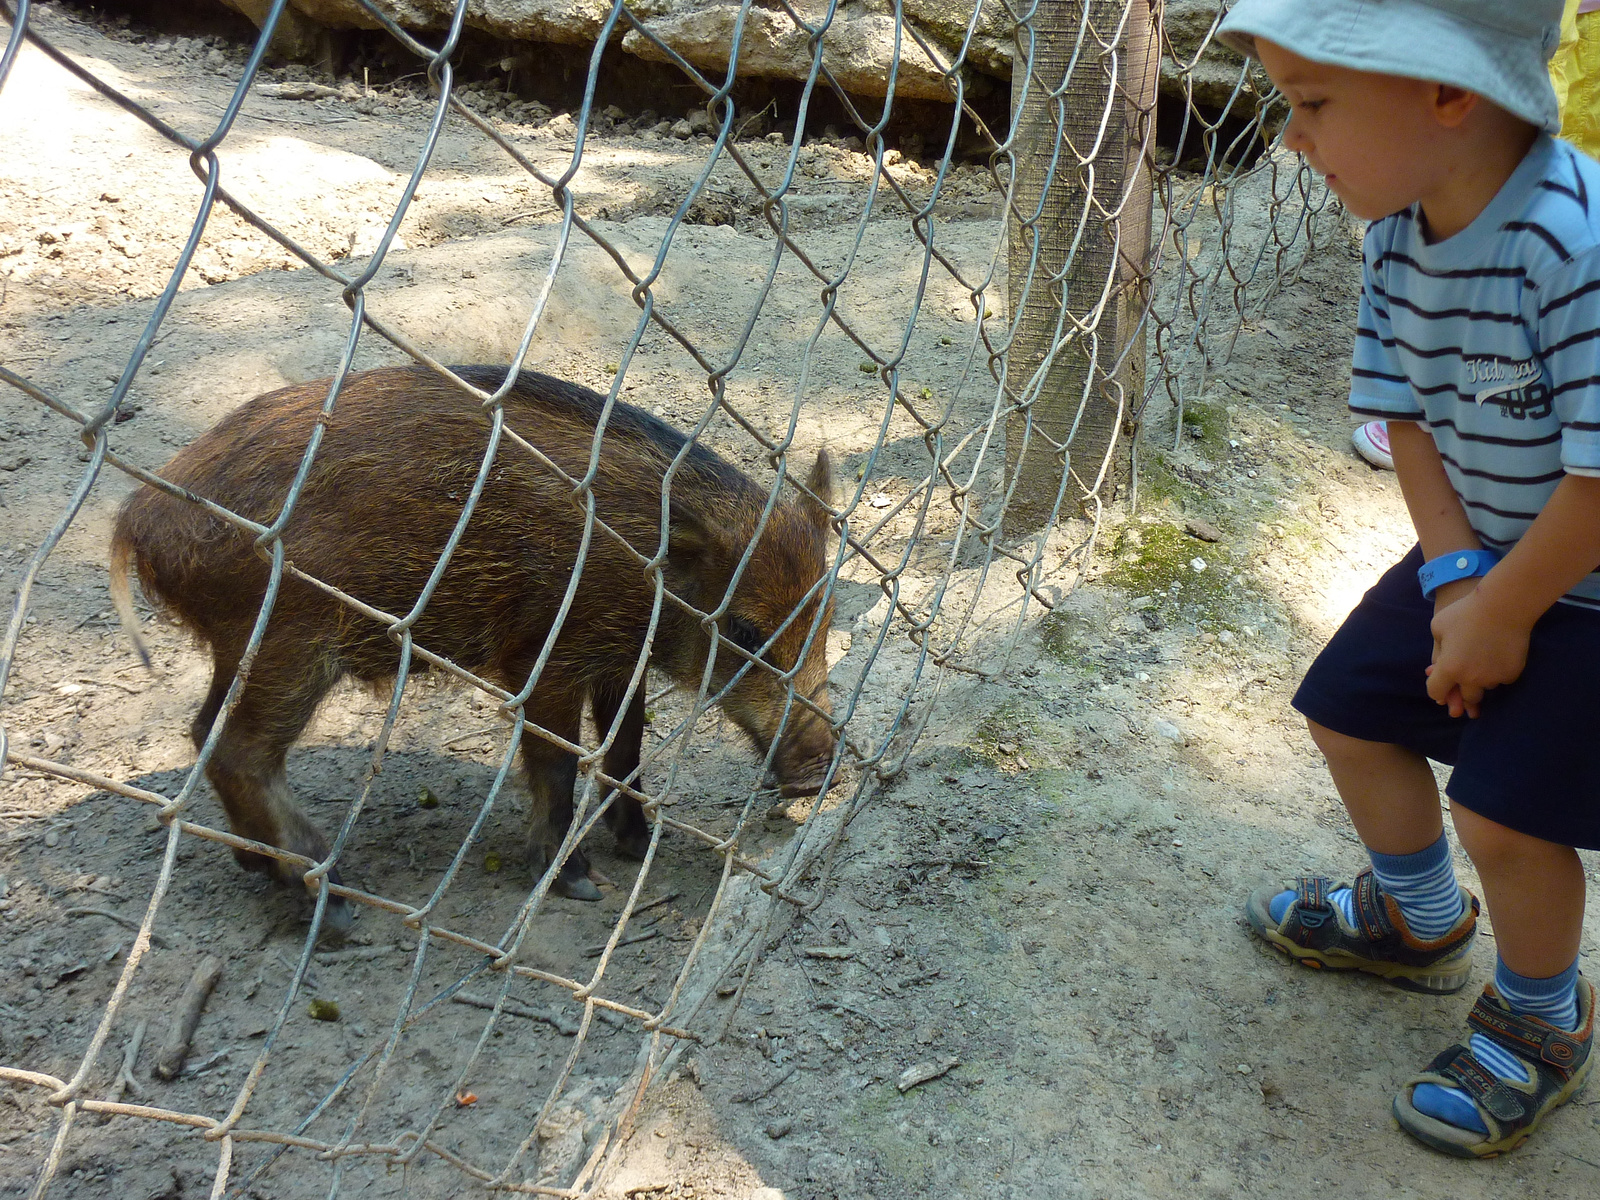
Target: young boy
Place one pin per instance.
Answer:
(1479, 342)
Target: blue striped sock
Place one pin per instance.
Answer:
(1423, 885)
(1554, 1000)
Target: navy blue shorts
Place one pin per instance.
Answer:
(1530, 761)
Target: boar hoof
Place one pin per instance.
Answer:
(575, 886)
(634, 844)
(572, 881)
(795, 788)
(337, 918)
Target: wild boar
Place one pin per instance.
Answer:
(398, 459)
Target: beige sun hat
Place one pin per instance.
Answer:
(1497, 48)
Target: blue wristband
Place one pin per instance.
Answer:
(1447, 568)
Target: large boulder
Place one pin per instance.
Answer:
(1213, 68)
(858, 48)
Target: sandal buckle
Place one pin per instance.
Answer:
(1314, 918)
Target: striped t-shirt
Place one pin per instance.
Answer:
(1491, 338)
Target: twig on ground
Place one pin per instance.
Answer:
(354, 954)
(598, 950)
(752, 1097)
(476, 733)
(557, 1022)
(836, 1007)
(208, 1062)
(126, 922)
(656, 903)
(170, 1061)
(125, 1082)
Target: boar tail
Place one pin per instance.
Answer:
(122, 595)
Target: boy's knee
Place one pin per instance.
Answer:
(1488, 842)
(1339, 746)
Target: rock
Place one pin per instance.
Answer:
(1163, 728)
(699, 121)
(1197, 565)
(779, 1129)
(922, 1072)
(857, 49)
(1204, 530)
(1215, 70)
(681, 129)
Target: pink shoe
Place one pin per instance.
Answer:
(1372, 443)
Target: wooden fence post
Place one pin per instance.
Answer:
(1105, 113)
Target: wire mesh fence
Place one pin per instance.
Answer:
(1090, 309)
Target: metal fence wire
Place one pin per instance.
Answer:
(1115, 279)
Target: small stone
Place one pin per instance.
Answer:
(922, 1072)
(1140, 603)
(681, 130)
(699, 121)
(1197, 565)
(1006, 747)
(426, 798)
(323, 1010)
(1244, 1068)
(1225, 637)
(52, 839)
(1166, 729)
(1202, 529)
(780, 1129)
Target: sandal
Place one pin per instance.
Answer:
(1558, 1066)
(1315, 934)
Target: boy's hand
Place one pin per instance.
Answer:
(1474, 649)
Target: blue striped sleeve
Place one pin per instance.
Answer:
(1569, 344)
(1378, 383)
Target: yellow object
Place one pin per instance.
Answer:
(1575, 72)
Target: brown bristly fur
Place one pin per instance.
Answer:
(397, 462)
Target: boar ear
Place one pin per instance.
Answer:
(820, 484)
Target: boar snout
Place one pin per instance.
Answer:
(805, 749)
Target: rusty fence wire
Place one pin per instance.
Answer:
(956, 571)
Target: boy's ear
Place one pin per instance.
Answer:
(1452, 105)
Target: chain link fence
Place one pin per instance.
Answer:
(1108, 287)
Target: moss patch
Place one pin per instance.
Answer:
(1159, 561)
(1209, 421)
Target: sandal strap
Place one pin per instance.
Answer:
(1372, 911)
(1528, 1037)
(1457, 1067)
(1311, 904)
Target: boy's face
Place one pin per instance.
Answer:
(1372, 137)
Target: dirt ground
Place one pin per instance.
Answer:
(1045, 902)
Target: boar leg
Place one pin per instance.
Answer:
(247, 766)
(624, 818)
(552, 772)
